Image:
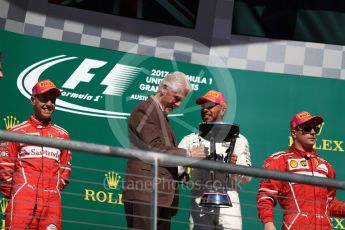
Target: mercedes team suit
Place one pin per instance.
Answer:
(216, 218)
(304, 206)
(32, 177)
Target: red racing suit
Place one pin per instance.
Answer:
(33, 176)
(304, 206)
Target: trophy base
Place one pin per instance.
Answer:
(216, 200)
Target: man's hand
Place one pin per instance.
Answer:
(233, 158)
(270, 226)
(198, 152)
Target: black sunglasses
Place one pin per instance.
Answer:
(308, 128)
(209, 105)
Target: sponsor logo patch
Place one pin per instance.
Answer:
(322, 167)
(298, 164)
(51, 227)
(293, 164)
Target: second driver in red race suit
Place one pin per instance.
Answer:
(32, 176)
(304, 206)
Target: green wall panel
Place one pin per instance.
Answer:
(94, 109)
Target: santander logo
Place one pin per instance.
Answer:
(116, 82)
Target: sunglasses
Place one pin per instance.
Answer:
(308, 128)
(209, 105)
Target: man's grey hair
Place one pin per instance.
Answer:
(176, 82)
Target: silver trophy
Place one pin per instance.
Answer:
(216, 132)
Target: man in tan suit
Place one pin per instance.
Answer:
(149, 129)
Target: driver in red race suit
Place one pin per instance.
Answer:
(32, 176)
(304, 206)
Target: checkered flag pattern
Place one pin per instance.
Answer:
(226, 50)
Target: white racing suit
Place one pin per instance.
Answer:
(216, 218)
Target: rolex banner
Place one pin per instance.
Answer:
(101, 87)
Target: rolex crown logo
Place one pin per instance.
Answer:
(10, 121)
(112, 179)
(3, 205)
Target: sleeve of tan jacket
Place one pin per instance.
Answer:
(149, 130)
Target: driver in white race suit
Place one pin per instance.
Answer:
(213, 107)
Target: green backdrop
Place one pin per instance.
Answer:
(101, 87)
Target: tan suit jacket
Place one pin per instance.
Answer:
(149, 129)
